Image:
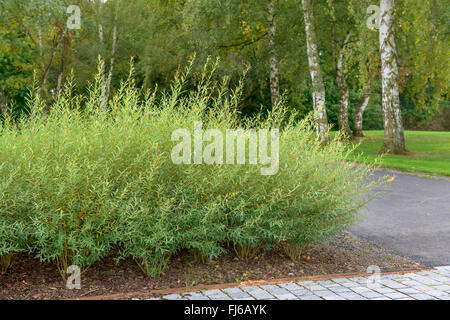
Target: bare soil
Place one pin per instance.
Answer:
(28, 278)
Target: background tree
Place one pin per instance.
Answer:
(318, 87)
(394, 139)
(162, 35)
(274, 79)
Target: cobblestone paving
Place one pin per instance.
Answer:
(424, 285)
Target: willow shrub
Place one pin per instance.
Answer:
(79, 183)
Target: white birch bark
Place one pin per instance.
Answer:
(318, 87)
(113, 51)
(394, 140)
(274, 73)
(41, 58)
(344, 126)
(101, 49)
(61, 71)
(111, 64)
(359, 112)
(40, 42)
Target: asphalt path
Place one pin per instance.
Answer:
(411, 217)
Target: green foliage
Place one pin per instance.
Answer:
(423, 32)
(79, 182)
(161, 34)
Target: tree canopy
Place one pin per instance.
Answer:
(37, 49)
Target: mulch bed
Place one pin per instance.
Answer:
(27, 278)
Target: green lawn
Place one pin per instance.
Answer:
(430, 151)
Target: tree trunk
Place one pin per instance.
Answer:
(61, 72)
(318, 87)
(394, 139)
(113, 52)
(341, 78)
(274, 77)
(101, 51)
(41, 58)
(3, 103)
(359, 112)
(107, 87)
(46, 70)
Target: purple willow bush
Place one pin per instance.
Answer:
(78, 183)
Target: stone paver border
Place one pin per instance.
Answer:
(433, 284)
(329, 284)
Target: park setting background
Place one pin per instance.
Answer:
(87, 110)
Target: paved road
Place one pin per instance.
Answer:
(425, 285)
(411, 217)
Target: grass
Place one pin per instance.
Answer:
(429, 152)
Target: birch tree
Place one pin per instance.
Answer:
(359, 112)
(3, 102)
(365, 53)
(344, 94)
(113, 53)
(101, 47)
(394, 140)
(318, 87)
(59, 82)
(274, 77)
(43, 21)
(106, 82)
(54, 50)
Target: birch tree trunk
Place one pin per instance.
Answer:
(359, 112)
(40, 42)
(61, 71)
(318, 87)
(43, 81)
(341, 78)
(101, 51)
(41, 58)
(106, 84)
(274, 77)
(394, 140)
(113, 53)
(3, 102)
